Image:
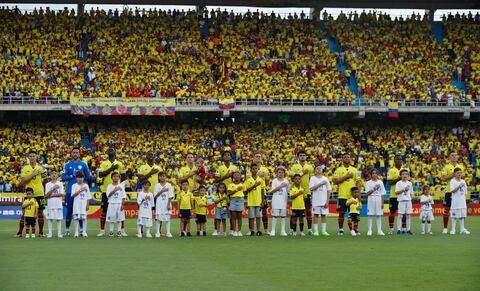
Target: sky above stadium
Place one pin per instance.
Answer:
(237, 9)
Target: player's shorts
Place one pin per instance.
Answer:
(185, 214)
(237, 204)
(254, 211)
(308, 202)
(115, 213)
(279, 212)
(405, 207)
(77, 216)
(145, 221)
(320, 210)
(104, 202)
(447, 202)
(393, 205)
(41, 202)
(298, 213)
(201, 218)
(374, 205)
(458, 213)
(426, 215)
(221, 213)
(54, 214)
(30, 221)
(162, 216)
(355, 217)
(342, 205)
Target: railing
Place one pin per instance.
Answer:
(259, 102)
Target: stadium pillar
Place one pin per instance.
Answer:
(431, 14)
(361, 112)
(466, 114)
(80, 7)
(315, 13)
(199, 9)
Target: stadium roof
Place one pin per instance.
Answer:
(392, 4)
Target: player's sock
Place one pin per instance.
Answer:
(84, 222)
(379, 223)
(324, 227)
(404, 221)
(265, 220)
(454, 224)
(315, 227)
(82, 226)
(283, 221)
(446, 215)
(462, 224)
(391, 220)
(167, 225)
(59, 227)
(147, 230)
(301, 226)
(429, 227)
(21, 225)
(350, 225)
(112, 226)
(423, 226)
(370, 222)
(41, 221)
(341, 218)
(139, 229)
(68, 218)
(76, 227)
(274, 223)
(294, 228)
(103, 218)
(157, 226)
(309, 218)
(49, 225)
(399, 222)
(122, 226)
(408, 222)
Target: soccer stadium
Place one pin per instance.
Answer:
(242, 144)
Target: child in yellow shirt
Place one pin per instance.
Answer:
(30, 212)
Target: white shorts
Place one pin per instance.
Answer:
(320, 210)
(279, 212)
(145, 221)
(77, 216)
(54, 214)
(458, 213)
(426, 215)
(162, 217)
(115, 213)
(405, 207)
(374, 205)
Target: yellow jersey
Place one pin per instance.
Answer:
(233, 187)
(393, 174)
(344, 188)
(223, 170)
(219, 196)
(145, 169)
(262, 171)
(448, 170)
(107, 180)
(354, 208)
(255, 195)
(184, 171)
(185, 199)
(202, 210)
(30, 210)
(298, 203)
(307, 169)
(36, 182)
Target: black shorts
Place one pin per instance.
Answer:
(342, 205)
(185, 214)
(104, 202)
(201, 218)
(308, 202)
(298, 213)
(41, 202)
(355, 217)
(448, 200)
(30, 221)
(393, 205)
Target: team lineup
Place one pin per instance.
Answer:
(303, 187)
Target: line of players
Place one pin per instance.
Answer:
(309, 192)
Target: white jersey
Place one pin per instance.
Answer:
(145, 207)
(161, 203)
(54, 202)
(370, 185)
(404, 196)
(429, 202)
(80, 201)
(279, 198)
(459, 200)
(117, 197)
(319, 196)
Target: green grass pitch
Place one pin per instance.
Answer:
(418, 262)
